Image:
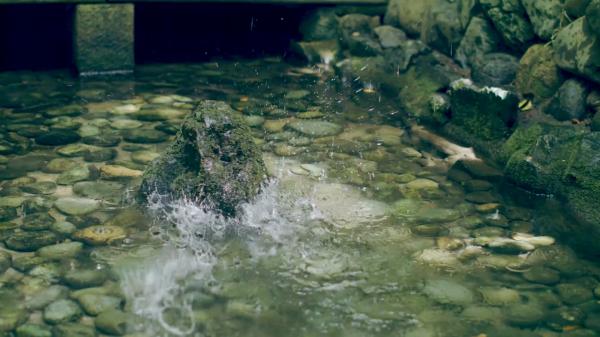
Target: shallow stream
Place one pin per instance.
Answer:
(365, 229)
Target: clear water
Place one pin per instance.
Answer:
(366, 233)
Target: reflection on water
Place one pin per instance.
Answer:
(365, 229)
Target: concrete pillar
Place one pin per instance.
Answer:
(104, 38)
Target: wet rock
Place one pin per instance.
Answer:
(543, 275)
(569, 102)
(481, 197)
(297, 94)
(593, 322)
(100, 235)
(538, 75)
(592, 14)
(61, 311)
(510, 20)
(64, 228)
(356, 34)
(96, 155)
(144, 156)
(85, 278)
(448, 292)
(213, 159)
(144, 136)
(321, 24)
(545, 16)
(495, 69)
(58, 137)
(43, 187)
(37, 222)
(313, 128)
(5, 261)
(74, 330)
(577, 50)
(500, 296)
(509, 246)
(42, 298)
(480, 39)
(73, 150)
(95, 304)
(11, 311)
(76, 206)
(33, 330)
(488, 113)
(67, 110)
(61, 251)
(30, 241)
(574, 293)
(7, 213)
(326, 51)
(118, 172)
(112, 322)
(478, 168)
(102, 190)
(59, 165)
(74, 175)
(524, 315)
(390, 37)
(565, 316)
(125, 124)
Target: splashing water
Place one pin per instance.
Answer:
(193, 236)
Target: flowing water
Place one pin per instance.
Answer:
(364, 229)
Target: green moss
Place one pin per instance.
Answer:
(212, 160)
(523, 138)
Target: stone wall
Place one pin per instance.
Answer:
(519, 80)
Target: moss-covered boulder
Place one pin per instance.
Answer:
(538, 75)
(577, 50)
(510, 19)
(213, 161)
(545, 16)
(487, 113)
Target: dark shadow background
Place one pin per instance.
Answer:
(199, 32)
(39, 37)
(35, 37)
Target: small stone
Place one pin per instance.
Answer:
(56, 137)
(13, 202)
(144, 157)
(543, 275)
(573, 293)
(33, 330)
(74, 175)
(314, 128)
(76, 206)
(524, 315)
(94, 304)
(145, 136)
(125, 124)
(448, 292)
(112, 322)
(59, 165)
(7, 213)
(297, 94)
(99, 154)
(105, 139)
(74, 330)
(509, 246)
(61, 251)
(119, 172)
(30, 241)
(61, 311)
(42, 187)
(481, 197)
(5, 261)
(37, 222)
(422, 184)
(42, 298)
(500, 296)
(63, 228)
(101, 190)
(100, 235)
(285, 150)
(73, 150)
(85, 278)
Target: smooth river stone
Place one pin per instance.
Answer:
(76, 206)
(85, 278)
(30, 241)
(118, 172)
(448, 292)
(61, 250)
(100, 235)
(315, 128)
(144, 136)
(144, 157)
(42, 187)
(125, 124)
(58, 137)
(62, 311)
(102, 190)
(94, 304)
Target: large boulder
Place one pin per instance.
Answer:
(479, 39)
(569, 102)
(357, 34)
(592, 14)
(213, 161)
(538, 76)
(545, 16)
(576, 8)
(511, 21)
(577, 50)
(495, 69)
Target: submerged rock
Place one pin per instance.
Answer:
(212, 160)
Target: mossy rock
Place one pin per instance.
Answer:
(213, 160)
